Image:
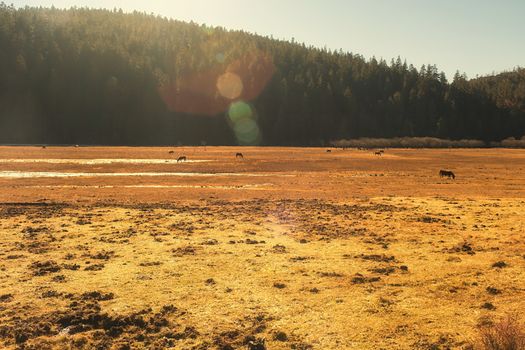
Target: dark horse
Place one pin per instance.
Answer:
(181, 159)
(239, 155)
(447, 173)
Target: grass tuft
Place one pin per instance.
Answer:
(507, 334)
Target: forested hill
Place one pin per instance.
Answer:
(105, 77)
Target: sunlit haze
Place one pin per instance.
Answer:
(475, 37)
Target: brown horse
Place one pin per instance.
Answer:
(447, 173)
(239, 155)
(378, 153)
(181, 159)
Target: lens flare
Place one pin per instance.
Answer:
(220, 57)
(247, 132)
(240, 110)
(229, 85)
(243, 119)
(209, 90)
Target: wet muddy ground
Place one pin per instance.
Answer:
(344, 250)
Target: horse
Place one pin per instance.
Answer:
(181, 159)
(239, 155)
(328, 151)
(378, 153)
(171, 152)
(447, 173)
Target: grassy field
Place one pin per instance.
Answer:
(298, 248)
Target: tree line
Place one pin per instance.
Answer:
(85, 76)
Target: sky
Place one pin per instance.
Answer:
(477, 37)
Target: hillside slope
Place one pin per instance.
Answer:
(106, 77)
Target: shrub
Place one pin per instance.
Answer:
(507, 334)
(408, 142)
(513, 143)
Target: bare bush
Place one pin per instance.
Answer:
(408, 142)
(511, 142)
(507, 334)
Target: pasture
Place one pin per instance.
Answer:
(282, 248)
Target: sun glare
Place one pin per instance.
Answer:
(229, 85)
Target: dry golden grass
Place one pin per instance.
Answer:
(340, 250)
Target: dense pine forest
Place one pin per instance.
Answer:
(84, 76)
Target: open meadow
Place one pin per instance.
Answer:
(285, 248)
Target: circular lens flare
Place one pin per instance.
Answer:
(230, 85)
(220, 57)
(243, 119)
(247, 132)
(240, 110)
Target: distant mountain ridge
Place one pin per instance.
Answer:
(105, 77)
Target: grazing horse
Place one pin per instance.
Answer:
(239, 155)
(171, 152)
(378, 153)
(447, 173)
(328, 151)
(181, 159)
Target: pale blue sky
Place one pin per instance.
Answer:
(473, 36)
